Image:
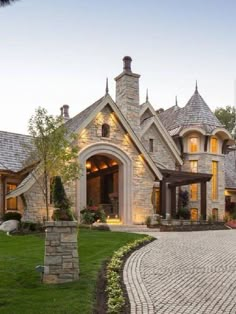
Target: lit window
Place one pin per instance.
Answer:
(215, 214)
(151, 145)
(11, 202)
(105, 130)
(214, 145)
(194, 214)
(193, 187)
(214, 180)
(193, 144)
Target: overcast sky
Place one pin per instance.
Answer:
(60, 52)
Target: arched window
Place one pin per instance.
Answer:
(193, 143)
(105, 130)
(214, 145)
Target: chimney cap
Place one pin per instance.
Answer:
(127, 63)
(65, 112)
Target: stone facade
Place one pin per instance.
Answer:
(143, 179)
(35, 210)
(161, 153)
(131, 127)
(61, 260)
(204, 165)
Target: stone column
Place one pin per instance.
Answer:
(61, 261)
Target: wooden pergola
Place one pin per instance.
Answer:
(172, 179)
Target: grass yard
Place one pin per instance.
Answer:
(20, 288)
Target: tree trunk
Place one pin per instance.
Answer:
(46, 192)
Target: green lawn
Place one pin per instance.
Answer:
(20, 288)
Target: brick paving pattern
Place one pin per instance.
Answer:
(184, 273)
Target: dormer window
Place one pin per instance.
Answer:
(193, 144)
(214, 145)
(105, 130)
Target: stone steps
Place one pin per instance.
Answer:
(131, 228)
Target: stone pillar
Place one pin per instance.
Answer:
(61, 259)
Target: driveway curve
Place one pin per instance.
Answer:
(184, 273)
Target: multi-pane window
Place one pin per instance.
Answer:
(214, 180)
(11, 202)
(214, 145)
(193, 187)
(193, 144)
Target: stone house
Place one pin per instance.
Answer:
(135, 159)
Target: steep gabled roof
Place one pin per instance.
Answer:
(14, 150)
(77, 120)
(196, 113)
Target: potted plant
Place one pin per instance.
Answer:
(60, 201)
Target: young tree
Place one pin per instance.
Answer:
(55, 150)
(227, 117)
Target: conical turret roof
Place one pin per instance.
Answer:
(196, 113)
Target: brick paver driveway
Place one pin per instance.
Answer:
(184, 272)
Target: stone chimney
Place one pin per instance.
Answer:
(65, 112)
(127, 94)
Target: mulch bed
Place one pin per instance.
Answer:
(100, 305)
(231, 224)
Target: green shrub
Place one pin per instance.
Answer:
(184, 213)
(12, 215)
(91, 214)
(61, 202)
(148, 220)
(31, 226)
(116, 300)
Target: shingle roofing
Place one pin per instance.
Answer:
(196, 113)
(230, 170)
(13, 150)
(75, 122)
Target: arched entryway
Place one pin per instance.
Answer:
(102, 174)
(114, 168)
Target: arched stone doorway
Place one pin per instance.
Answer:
(123, 170)
(102, 173)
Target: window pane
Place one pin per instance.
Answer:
(193, 187)
(151, 145)
(214, 145)
(214, 180)
(12, 202)
(193, 144)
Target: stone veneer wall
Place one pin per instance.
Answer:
(61, 259)
(36, 210)
(205, 166)
(161, 153)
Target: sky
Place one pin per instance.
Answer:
(61, 52)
